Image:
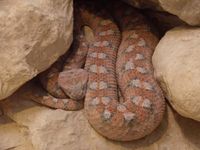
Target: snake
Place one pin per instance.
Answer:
(66, 70)
(122, 100)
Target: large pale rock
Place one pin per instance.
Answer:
(33, 34)
(187, 10)
(176, 61)
(11, 135)
(49, 129)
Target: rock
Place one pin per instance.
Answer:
(187, 10)
(176, 61)
(11, 135)
(163, 21)
(57, 129)
(33, 34)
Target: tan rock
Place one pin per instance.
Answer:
(187, 10)
(57, 129)
(176, 61)
(33, 34)
(11, 135)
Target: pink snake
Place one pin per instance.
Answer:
(123, 100)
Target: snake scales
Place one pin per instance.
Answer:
(122, 101)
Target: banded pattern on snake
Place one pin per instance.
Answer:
(123, 101)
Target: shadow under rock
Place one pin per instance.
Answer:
(190, 128)
(5, 120)
(18, 102)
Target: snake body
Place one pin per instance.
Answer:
(123, 101)
(61, 72)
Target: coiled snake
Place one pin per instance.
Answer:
(122, 101)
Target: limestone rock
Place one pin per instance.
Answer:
(33, 34)
(176, 61)
(11, 135)
(57, 129)
(187, 10)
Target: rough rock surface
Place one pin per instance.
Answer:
(40, 128)
(33, 34)
(187, 10)
(176, 61)
(163, 21)
(8, 129)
